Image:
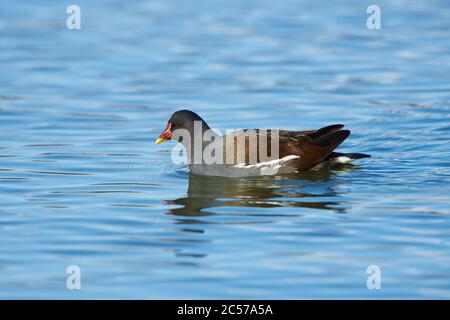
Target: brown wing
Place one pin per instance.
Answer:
(311, 151)
(312, 146)
(315, 134)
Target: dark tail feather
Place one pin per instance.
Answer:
(355, 156)
(336, 159)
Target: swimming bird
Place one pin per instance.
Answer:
(253, 152)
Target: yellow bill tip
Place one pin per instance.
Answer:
(160, 140)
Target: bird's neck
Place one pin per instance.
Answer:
(200, 137)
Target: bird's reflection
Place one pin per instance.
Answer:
(314, 190)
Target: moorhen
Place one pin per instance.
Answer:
(255, 152)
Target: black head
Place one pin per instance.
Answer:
(182, 119)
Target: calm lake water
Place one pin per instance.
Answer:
(82, 182)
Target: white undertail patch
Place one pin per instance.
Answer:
(341, 160)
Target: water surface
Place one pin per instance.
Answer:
(81, 182)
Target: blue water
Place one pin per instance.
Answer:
(82, 183)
